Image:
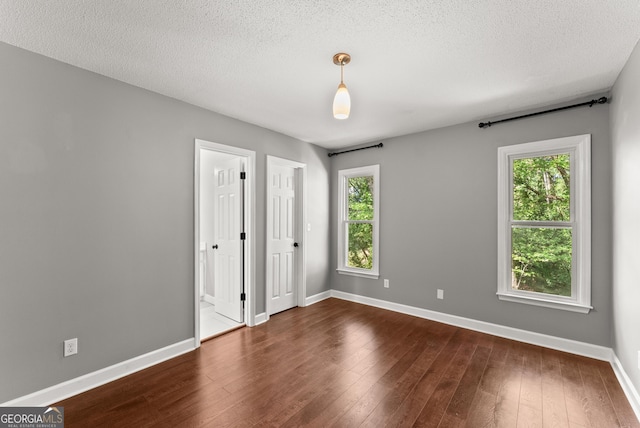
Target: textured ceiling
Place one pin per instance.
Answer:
(416, 64)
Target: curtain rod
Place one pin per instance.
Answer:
(355, 150)
(588, 103)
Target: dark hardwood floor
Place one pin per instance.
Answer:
(338, 363)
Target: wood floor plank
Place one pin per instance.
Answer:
(482, 412)
(462, 399)
(530, 404)
(362, 397)
(574, 392)
(404, 385)
(494, 373)
(599, 408)
(435, 408)
(338, 363)
(621, 405)
(392, 388)
(554, 408)
(508, 394)
(414, 403)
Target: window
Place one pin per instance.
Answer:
(358, 221)
(544, 223)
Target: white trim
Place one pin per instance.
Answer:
(533, 299)
(196, 241)
(343, 176)
(553, 342)
(318, 297)
(209, 299)
(627, 386)
(261, 318)
(250, 227)
(358, 272)
(61, 391)
(300, 232)
(579, 148)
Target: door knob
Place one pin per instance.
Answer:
(295, 244)
(215, 247)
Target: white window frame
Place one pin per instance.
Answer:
(579, 149)
(343, 178)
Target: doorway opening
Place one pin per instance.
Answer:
(224, 251)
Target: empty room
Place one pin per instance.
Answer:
(336, 213)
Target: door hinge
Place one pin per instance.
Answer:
(243, 175)
(243, 297)
(243, 236)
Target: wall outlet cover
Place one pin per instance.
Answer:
(70, 347)
(440, 294)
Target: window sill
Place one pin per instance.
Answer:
(566, 306)
(362, 274)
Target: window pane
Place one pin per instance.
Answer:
(541, 188)
(360, 253)
(541, 260)
(360, 204)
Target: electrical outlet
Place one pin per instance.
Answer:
(386, 283)
(70, 347)
(440, 294)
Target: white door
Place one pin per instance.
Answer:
(282, 258)
(228, 245)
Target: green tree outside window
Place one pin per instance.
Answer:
(359, 215)
(541, 256)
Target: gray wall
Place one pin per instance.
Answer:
(96, 217)
(438, 222)
(625, 131)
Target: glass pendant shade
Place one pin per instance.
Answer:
(341, 102)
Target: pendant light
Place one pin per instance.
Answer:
(342, 100)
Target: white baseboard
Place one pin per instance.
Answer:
(629, 390)
(100, 377)
(260, 319)
(318, 297)
(558, 343)
(209, 299)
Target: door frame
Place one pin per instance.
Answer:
(249, 221)
(301, 216)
